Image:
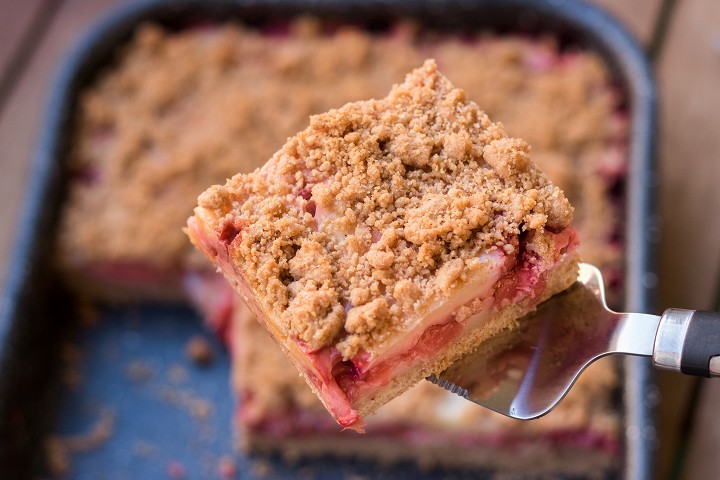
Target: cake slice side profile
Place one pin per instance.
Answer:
(388, 239)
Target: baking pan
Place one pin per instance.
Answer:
(38, 317)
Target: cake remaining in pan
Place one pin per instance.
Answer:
(562, 102)
(277, 413)
(388, 238)
(153, 130)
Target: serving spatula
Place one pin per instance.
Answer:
(525, 372)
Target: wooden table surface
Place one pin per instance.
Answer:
(36, 34)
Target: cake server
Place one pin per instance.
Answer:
(524, 373)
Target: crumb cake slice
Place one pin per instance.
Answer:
(277, 413)
(388, 238)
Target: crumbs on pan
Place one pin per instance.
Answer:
(199, 351)
(60, 448)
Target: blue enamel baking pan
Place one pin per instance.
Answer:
(147, 425)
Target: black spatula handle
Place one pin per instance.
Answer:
(689, 341)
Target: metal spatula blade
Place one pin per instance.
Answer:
(525, 372)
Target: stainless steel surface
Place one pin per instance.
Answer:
(715, 366)
(634, 334)
(534, 367)
(670, 338)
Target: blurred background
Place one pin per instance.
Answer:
(682, 39)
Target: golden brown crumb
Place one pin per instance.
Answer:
(200, 408)
(57, 457)
(369, 197)
(60, 448)
(139, 371)
(177, 374)
(198, 350)
(145, 449)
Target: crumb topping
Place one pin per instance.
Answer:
(412, 187)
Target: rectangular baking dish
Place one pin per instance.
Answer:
(37, 315)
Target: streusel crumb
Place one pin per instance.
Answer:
(380, 210)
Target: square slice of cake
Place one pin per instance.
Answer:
(389, 238)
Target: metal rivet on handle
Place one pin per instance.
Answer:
(670, 339)
(715, 366)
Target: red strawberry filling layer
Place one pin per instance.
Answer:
(128, 272)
